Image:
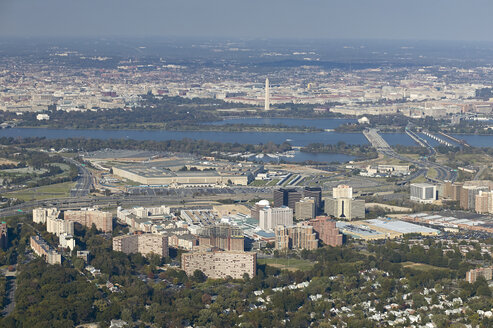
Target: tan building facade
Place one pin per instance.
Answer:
(296, 237)
(305, 208)
(42, 249)
(144, 244)
(102, 220)
(219, 264)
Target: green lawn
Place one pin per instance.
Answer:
(288, 264)
(45, 192)
(258, 183)
(273, 182)
(432, 173)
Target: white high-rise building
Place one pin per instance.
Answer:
(267, 94)
(342, 191)
(271, 217)
(423, 192)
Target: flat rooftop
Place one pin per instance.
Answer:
(400, 226)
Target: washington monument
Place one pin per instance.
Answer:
(267, 94)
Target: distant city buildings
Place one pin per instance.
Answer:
(144, 244)
(423, 193)
(220, 264)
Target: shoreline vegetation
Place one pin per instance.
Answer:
(197, 147)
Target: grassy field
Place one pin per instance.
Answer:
(273, 182)
(419, 179)
(421, 266)
(287, 264)
(45, 192)
(259, 183)
(432, 173)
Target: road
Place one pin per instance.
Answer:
(10, 289)
(444, 172)
(84, 180)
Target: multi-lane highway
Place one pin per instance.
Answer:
(84, 180)
(443, 172)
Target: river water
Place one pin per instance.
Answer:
(294, 138)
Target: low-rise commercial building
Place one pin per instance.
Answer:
(220, 264)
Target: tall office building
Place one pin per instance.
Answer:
(316, 194)
(474, 274)
(267, 94)
(271, 217)
(342, 191)
(345, 208)
(287, 197)
(468, 196)
(452, 190)
(305, 208)
(484, 202)
(423, 192)
(342, 204)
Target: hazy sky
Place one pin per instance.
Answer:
(381, 19)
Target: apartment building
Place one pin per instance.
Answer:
(144, 244)
(220, 264)
(87, 217)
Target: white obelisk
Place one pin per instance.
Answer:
(267, 94)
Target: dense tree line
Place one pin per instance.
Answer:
(200, 147)
(360, 151)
